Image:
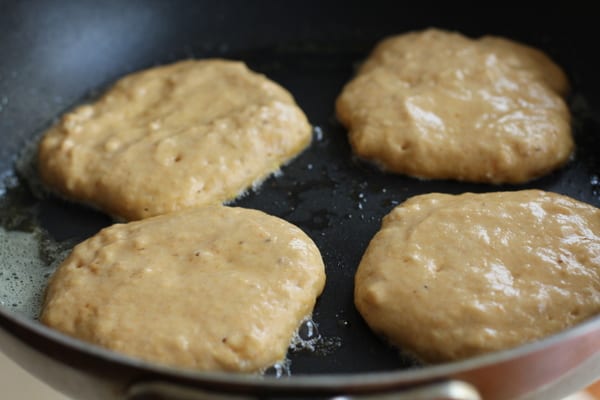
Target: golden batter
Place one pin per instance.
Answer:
(212, 288)
(436, 104)
(182, 135)
(449, 277)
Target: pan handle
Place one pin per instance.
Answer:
(444, 390)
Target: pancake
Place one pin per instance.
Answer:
(439, 105)
(449, 277)
(213, 288)
(187, 134)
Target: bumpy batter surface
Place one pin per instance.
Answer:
(449, 277)
(436, 104)
(214, 288)
(171, 137)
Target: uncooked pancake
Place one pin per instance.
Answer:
(214, 288)
(436, 104)
(449, 277)
(182, 135)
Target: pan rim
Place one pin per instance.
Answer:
(334, 381)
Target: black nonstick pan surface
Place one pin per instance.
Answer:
(56, 54)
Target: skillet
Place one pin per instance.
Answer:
(58, 53)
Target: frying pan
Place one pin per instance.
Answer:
(59, 53)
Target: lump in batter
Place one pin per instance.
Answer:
(182, 135)
(435, 104)
(213, 288)
(449, 277)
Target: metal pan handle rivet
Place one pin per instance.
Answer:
(447, 390)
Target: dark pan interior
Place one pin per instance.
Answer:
(55, 54)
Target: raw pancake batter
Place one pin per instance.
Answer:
(449, 277)
(214, 288)
(436, 104)
(182, 135)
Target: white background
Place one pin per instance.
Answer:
(16, 384)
